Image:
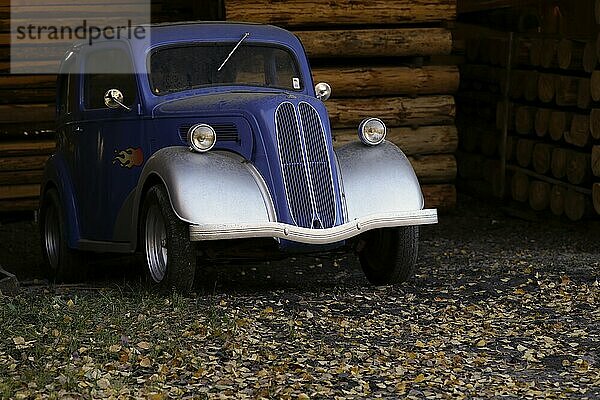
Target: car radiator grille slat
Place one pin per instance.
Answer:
(306, 167)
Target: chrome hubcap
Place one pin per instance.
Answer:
(51, 236)
(156, 244)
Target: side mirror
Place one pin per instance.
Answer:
(113, 98)
(322, 91)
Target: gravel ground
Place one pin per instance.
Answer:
(499, 307)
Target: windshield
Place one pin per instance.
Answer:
(173, 69)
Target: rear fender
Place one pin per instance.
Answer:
(56, 174)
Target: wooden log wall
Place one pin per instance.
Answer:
(27, 108)
(551, 113)
(381, 59)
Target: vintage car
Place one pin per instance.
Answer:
(213, 144)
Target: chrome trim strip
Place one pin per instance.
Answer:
(313, 236)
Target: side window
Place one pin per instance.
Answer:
(97, 82)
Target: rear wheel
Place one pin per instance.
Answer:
(170, 260)
(61, 264)
(389, 255)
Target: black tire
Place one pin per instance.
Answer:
(61, 264)
(173, 267)
(388, 256)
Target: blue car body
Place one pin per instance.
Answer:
(106, 159)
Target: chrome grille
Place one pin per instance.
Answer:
(292, 162)
(225, 132)
(305, 164)
(318, 164)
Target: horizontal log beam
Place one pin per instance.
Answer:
(407, 42)
(437, 168)
(442, 197)
(26, 147)
(388, 81)
(394, 111)
(339, 12)
(424, 140)
(12, 113)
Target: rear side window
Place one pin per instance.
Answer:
(97, 82)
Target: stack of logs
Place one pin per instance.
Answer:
(541, 91)
(376, 70)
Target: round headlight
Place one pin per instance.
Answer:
(202, 137)
(371, 131)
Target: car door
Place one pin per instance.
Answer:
(111, 154)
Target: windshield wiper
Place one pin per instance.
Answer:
(234, 49)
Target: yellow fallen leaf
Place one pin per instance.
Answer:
(19, 340)
(103, 383)
(420, 344)
(268, 310)
(519, 291)
(144, 345)
(115, 348)
(303, 396)
(419, 378)
(145, 362)
(70, 303)
(481, 343)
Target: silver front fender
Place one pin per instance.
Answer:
(378, 179)
(209, 188)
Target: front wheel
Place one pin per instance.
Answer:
(389, 255)
(169, 255)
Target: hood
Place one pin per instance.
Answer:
(291, 148)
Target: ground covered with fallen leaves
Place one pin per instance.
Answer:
(499, 307)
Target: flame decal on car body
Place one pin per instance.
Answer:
(129, 158)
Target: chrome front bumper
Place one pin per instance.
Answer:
(312, 236)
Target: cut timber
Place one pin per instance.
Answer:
(524, 119)
(560, 122)
(21, 177)
(520, 186)
(524, 151)
(546, 87)
(27, 81)
(578, 167)
(542, 121)
(19, 191)
(579, 134)
(530, 85)
(19, 204)
(386, 81)
(542, 157)
(438, 168)
(590, 58)
(596, 160)
(340, 12)
(595, 123)
(442, 197)
(26, 147)
(557, 200)
(566, 89)
(559, 162)
(575, 205)
(539, 195)
(11, 113)
(569, 54)
(376, 42)
(22, 163)
(584, 96)
(596, 197)
(424, 140)
(394, 111)
(595, 85)
(535, 52)
(548, 56)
